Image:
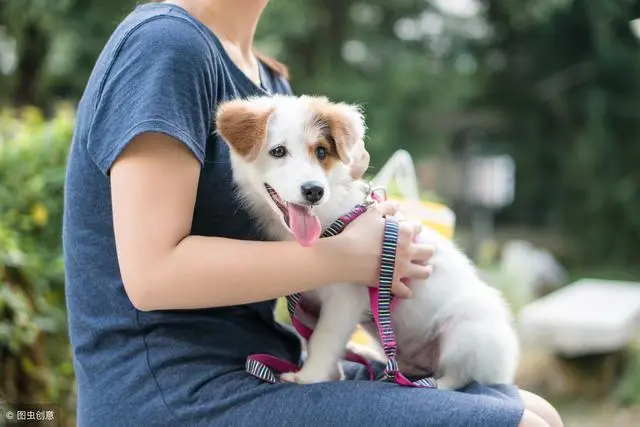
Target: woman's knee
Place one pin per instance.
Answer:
(540, 407)
(530, 419)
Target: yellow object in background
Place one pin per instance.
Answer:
(360, 336)
(399, 180)
(281, 312)
(434, 215)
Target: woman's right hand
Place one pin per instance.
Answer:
(361, 245)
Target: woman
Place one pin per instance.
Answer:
(170, 287)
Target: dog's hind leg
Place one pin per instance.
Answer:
(343, 306)
(483, 352)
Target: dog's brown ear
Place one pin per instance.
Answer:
(243, 125)
(343, 123)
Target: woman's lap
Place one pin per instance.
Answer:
(355, 402)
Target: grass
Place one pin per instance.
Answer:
(628, 390)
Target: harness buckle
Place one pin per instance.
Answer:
(375, 194)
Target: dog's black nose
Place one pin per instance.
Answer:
(312, 192)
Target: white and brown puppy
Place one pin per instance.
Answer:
(290, 158)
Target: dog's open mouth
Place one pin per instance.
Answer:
(301, 221)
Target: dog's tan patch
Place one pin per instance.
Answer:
(332, 154)
(243, 126)
(336, 125)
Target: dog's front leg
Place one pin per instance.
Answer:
(343, 306)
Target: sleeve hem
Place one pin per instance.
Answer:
(104, 162)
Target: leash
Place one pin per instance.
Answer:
(267, 367)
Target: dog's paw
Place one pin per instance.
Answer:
(338, 373)
(290, 377)
(302, 377)
(449, 383)
(367, 352)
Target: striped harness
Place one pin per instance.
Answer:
(268, 368)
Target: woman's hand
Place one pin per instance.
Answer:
(361, 246)
(360, 162)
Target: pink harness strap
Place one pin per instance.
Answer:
(268, 368)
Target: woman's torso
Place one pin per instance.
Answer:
(153, 359)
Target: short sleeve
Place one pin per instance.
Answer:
(161, 79)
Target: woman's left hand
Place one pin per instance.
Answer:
(360, 162)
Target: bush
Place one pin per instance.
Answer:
(628, 390)
(35, 362)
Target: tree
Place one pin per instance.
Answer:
(570, 92)
(57, 42)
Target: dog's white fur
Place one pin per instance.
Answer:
(455, 325)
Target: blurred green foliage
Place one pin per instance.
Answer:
(553, 82)
(35, 363)
(628, 391)
(570, 92)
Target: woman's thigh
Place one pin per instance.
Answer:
(542, 408)
(358, 403)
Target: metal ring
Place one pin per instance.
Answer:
(375, 190)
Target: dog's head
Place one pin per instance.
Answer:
(290, 150)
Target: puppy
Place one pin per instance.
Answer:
(290, 158)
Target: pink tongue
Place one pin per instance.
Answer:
(304, 225)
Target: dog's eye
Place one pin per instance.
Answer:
(278, 152)
(321, 153)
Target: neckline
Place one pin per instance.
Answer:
(242, 79)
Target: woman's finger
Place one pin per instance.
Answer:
(421, 253)
(361, 161)
(400, 290)
(416, 228)
(399, 214)
(419, 272)
(387, 208)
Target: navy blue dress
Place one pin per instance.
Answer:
(163, 71)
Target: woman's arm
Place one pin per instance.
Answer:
(153, 184)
